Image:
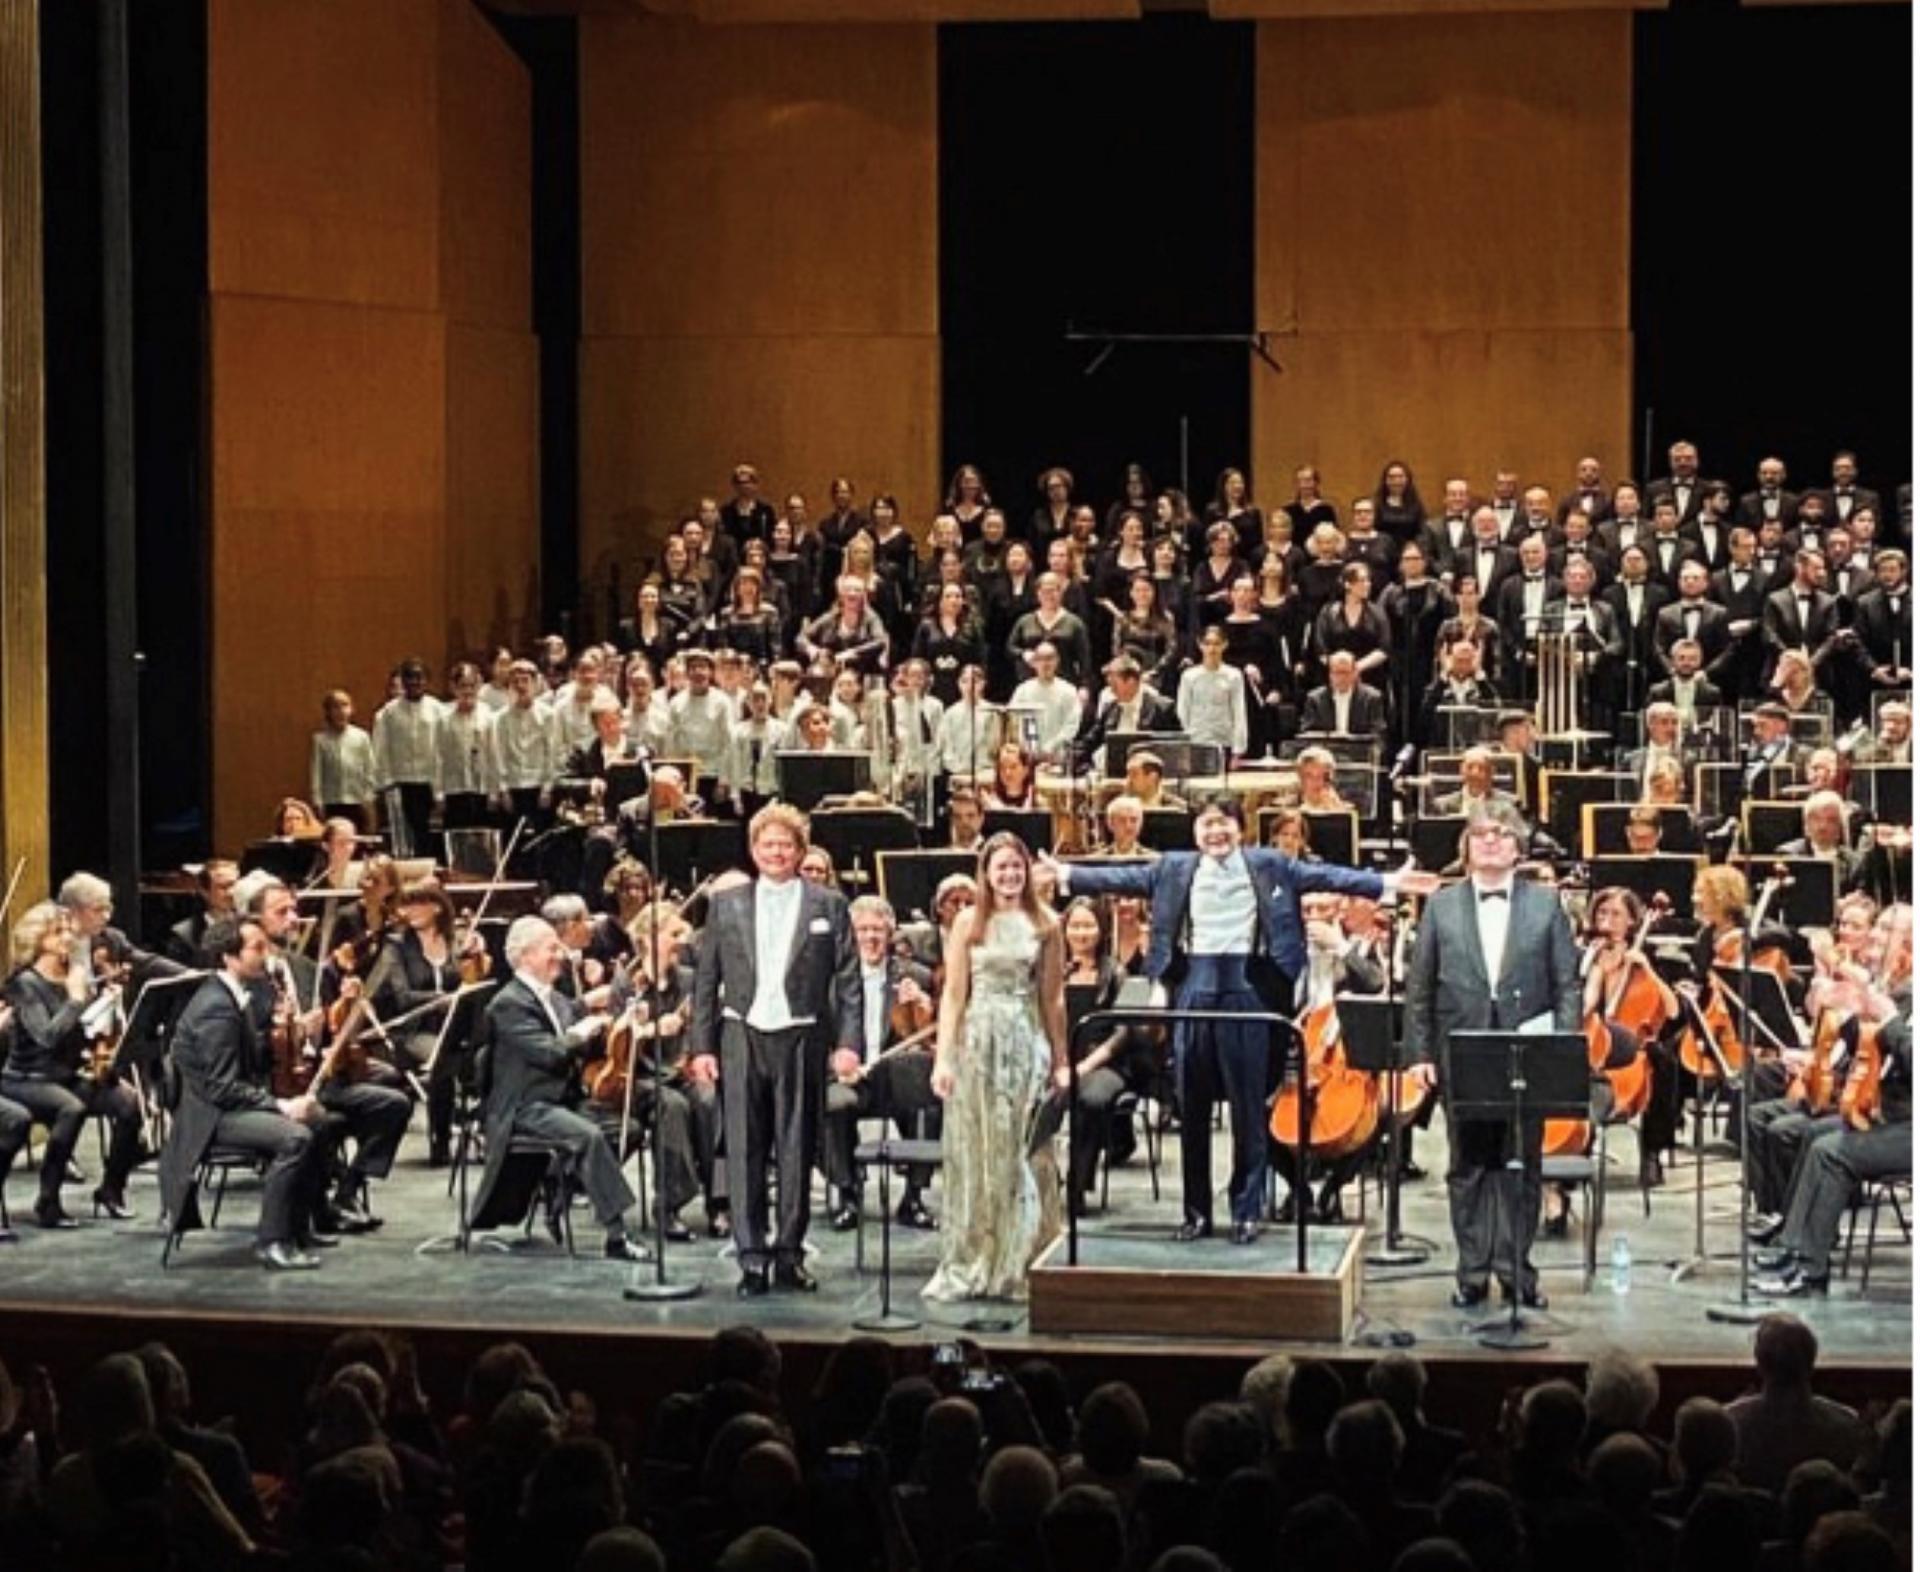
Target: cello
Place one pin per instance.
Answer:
(1346, 1102)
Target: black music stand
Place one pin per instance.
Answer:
(1808, 901)
(1604, 832)
(1770, 825)
(807, 776)
(909, 880)
(148, 1034)
(852, 836)
(1167, 829)
(1032, 827)
(1334, 836)
(1371, 1030)
(1122, 745)
(1520, 1078)
(1884, 790)
(1722, 1076)
(292, 861)
(1775, 1026)
(1647, 876)
(690, 850)
(1436, 842)
(468, 1009)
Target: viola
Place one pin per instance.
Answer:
(1860, 1097)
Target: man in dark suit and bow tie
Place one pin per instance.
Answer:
(776, 985)
(1695, 617)
(1682, 485)
(1493, 953)
(1768, 500)
(222, 1066)
(1846, 493)
(1346, 706)
(1227, 935)
(1803, 616)
(1127, 705)
(539, 1038)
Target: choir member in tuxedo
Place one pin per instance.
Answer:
(538, 1038)
(1636, 602)
(1846, 493)
(777, 983)
(1462, 685)
(1686, 689)
(1450, 534)
(1769, 499)
(1803, 616)
(222, 1067)
(1492, 952)
(1602, 647)
(1668, 547)
(1486, 555)
(1521, 613)
(1883, 623)
(1711, 529)
(1536, 517)
(1741, 587)
(1589, 495)
(747, 516)
(1693, 616)
(1577, 539)
(863, 1084)
(1627, 526)
(1681, 485)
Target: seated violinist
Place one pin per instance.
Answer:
(892, 1081)
(1317, 791)
(414, 983)
(1823, 823)
(1146, 777)
(1874, 1138)
(1622, 984)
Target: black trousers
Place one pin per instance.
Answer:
(681, 1174)
(15, 1123)
(1834, 1164)
(1491, 1205)
(450, 1063)
(900, 1089)
(294, 1169)
(1216, 1060)
(64, 1109)
(416, 808)
(1777, 1131)
(585, 1145)
(373, 1117)
(464, 810)
(771, 1107)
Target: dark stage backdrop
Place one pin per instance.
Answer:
(1099, 178)
(1772, 305)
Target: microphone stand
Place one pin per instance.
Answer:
(1743, 1312)
(1391, 1252)
(661, 1289)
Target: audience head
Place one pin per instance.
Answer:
(1553, 1417)
(1849, 1542)
(1784, 1352)
(1718, 1534)
(1812, 1490)
(1705, 1443)
(1111, 1429)
(1485, 1521)
(765, 1550)
(1264, 1390)
(1315, 1394)
(1082, 1530)
(1364, 1444)
(1221, 1437)
(1622, 1390)
(1016, 1488)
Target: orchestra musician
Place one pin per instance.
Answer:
(1496, 952)
(220, 1061)
(882, 1080)
(214, 884)
(538, 1037)
(418, 975)
(54, 1071)
(1126, 705)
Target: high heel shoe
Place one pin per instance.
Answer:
(111, 1203)
(50, 1214)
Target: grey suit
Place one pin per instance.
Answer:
(773, 1084)
(1448, 991)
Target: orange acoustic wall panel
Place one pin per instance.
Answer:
(1442, 223)
(759, 268)
(373, 380)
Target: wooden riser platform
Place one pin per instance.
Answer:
(1135, 1287)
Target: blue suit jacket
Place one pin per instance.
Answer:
(1278, 883)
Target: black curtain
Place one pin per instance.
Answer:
(1099, 179)
(1772, 254)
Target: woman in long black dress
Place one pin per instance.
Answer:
(1108, 1068)
(842, 523)
(1146, 632)
(949, 641)
(1319, 581)
(896, 558)
(1370, 546)
(966, 501)
(1136, 496)
(1354, 624)
(1116, 566)
(1397, 507)
(683, 597)
(1415, 608)
(1009, 598)
(1309, 509)
(1214, 575)
(1171, 586)
(1253, 649)
(748, 623)
(1286, 617)
(1056, 505)
(1233, 504)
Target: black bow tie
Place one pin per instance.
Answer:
(1576, 605)
(1493, 895)
(1535, 578)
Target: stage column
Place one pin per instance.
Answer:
(23, 492)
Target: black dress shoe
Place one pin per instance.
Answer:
(913, 1213)
(1466, 1296)
(280, 1256)
(1193, 1228)
(625, 1249)
(1652, 1175)
(1530, 1298)
(753, 1283)
(1795, 1283)
(1329, 1209)
(111, 1203)
(791, 1274)
(677, 1232)
(719, 1226)
(51, 1214)
(1555, 1227)
(845, 1217)
(1245, 1231)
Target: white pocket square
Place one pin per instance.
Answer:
(819, 925)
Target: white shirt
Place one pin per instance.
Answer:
(405, 733)
(776, 924)
(1342, 711)
(1636, 598)
(1493, 916)
(239, 991)
(1213, 706)
(701, 727)
(468, 759)
(1223, 907)
(965, 728)
(1057, 703)
(873, 994)
(495, 699)
(916, 732)
(544, 994)
(752, 762)
(524, 752)
(1683, 691)
(573, 716)
(648, 728)
(341, 767)
(1533, 597)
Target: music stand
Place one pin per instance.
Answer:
(909, 880)
(1371, 1032)
(1763, 994)
(1884, 790)
(293, 862)
(1122, 745)
(1436, 842)
(696, 849)
(1334, 836)
(1567, 792)
(1467, 724)
(1604, 830)
(807, 775)
(1167, 829)
(150, 1021)
(1033, 827)
(1767, 826)
(467, 1004)
(1809, 900)
(1646, 876)
(1521, 1078)
(853, 835)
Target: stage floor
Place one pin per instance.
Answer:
(380, 1279)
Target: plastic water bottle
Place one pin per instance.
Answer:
(1622, 1264)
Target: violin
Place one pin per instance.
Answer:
(287, 1075)
(1727, 1049)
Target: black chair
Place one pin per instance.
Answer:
(552, 1187)
(1873, 1195)
(218, 1165)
